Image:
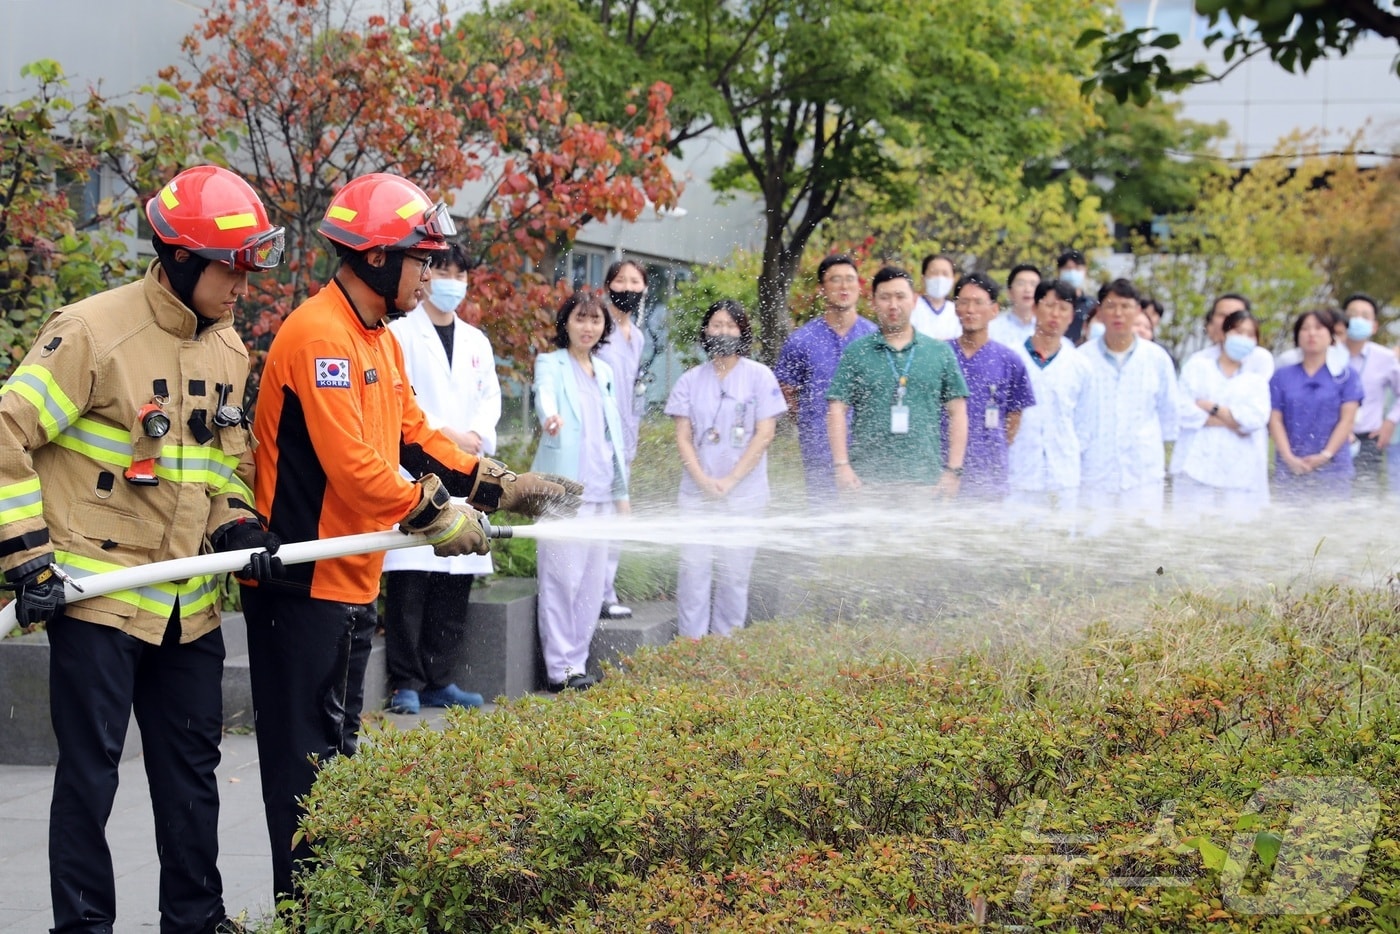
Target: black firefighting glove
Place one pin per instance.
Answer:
(450, 528)
(263, 566)
(530, 494)
(38, 591)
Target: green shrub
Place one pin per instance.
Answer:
(864, 777)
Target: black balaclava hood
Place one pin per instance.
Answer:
(382, 280)
(183, 277)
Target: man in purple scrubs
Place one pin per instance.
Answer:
(998, 386)
(807, 362)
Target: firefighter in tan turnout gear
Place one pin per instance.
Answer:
(122, 442)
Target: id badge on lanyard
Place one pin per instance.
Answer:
(899, 412)
(991, 419)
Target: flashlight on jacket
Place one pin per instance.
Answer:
(154, 422)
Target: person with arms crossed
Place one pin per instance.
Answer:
(1014, 326)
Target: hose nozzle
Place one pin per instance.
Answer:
(497, 531)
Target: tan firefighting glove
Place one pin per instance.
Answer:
(450, 528)
(530, 494)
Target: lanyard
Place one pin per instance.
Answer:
(902, 377)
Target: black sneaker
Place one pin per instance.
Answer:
(572, 683)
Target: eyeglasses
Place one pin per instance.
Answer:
(424, 261)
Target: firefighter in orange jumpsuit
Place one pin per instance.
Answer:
(335, 420)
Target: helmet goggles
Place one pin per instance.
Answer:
(263, 251)
(437, 226)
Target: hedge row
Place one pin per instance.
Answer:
(1228, 767)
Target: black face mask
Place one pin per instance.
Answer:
(724, 345)
(627, 302)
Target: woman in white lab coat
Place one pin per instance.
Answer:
(576, 400)
(1216, 462)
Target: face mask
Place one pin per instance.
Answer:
(1238, 347)
(1074, 278)
(1096, 329)
(1360, 329)
(446, 294)
(938, 287)
(723, 345)
(626, 302)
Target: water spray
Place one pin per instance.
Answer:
(78, 589)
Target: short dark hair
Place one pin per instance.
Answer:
(889, 274)
(979, 279)
(1210, 312)
(1235, 318)
(741, 318)
(1063, 290)
(1020, 268)
(1120, 287)
(580, 301)
(1324, 316)
(455, 255)
(1151, 304)
(1071, 256)
(835, 259)
(616, 269)
(1362, 297)
(923, 267)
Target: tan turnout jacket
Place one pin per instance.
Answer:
(70, 428)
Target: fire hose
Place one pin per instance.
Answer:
(227, 562)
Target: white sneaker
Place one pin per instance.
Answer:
(615, 611)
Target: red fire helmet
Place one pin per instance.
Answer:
(215, 214)
(383, 210)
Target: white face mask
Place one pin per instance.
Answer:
(1074, 278)
(938, 287)
(446, 294)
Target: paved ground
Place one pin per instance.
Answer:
(243, 848)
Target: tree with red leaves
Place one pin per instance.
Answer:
(300, 96)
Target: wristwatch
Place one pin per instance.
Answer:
(1215, 409)
(956, 471)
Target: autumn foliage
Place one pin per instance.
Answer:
(301, 96)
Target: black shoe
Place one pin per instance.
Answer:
(573, 683)
(615, 611)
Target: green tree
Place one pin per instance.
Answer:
(1141, 161)
(814, 90)
(1247, 234)
(1293, 33)
(987, 224)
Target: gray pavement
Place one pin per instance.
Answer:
(244, 859)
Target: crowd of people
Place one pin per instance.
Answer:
(124, 444)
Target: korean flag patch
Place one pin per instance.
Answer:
(332, 373)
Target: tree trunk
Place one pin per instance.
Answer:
(774, 285)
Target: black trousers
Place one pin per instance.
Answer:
(307, 661)
(425, 623)
(97, 676)
(1369, 463)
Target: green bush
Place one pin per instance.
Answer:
(867, 777)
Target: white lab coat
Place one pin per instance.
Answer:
(465, 396)
(1046, 452)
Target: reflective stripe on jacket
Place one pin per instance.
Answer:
(70, 427)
